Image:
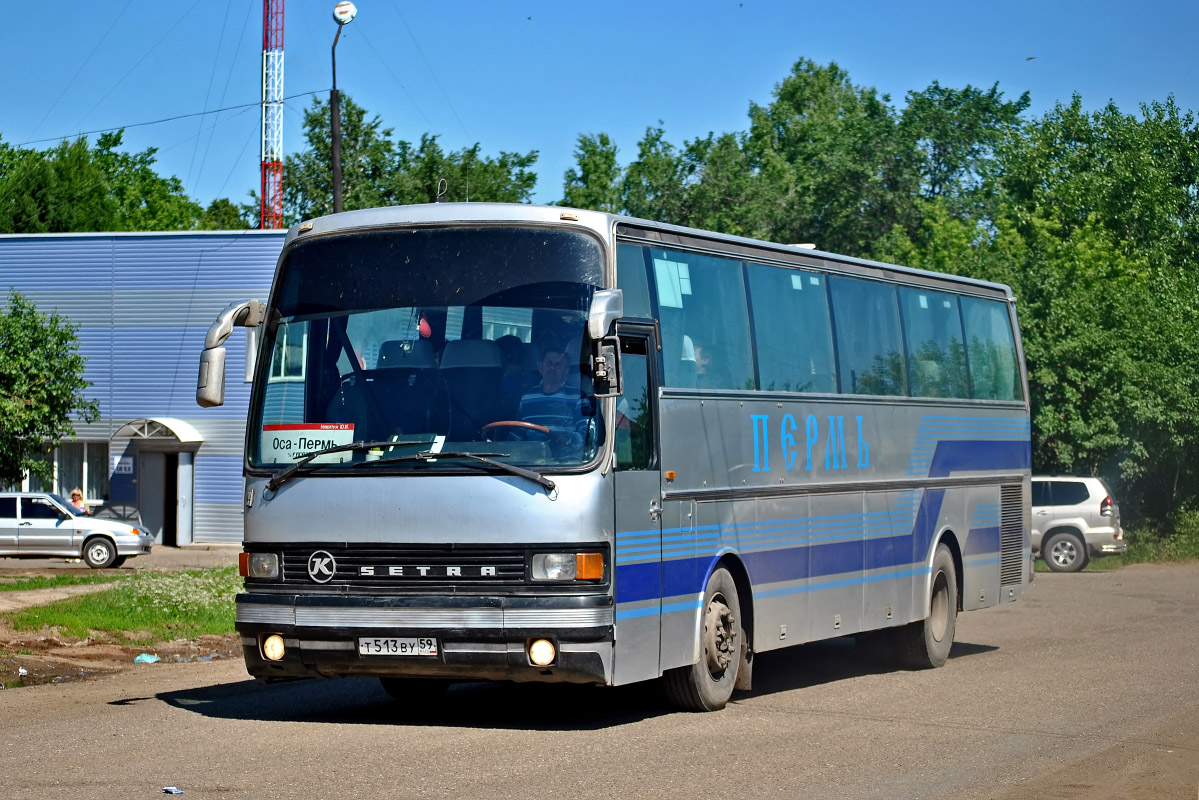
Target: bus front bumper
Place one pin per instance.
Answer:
(477, 638)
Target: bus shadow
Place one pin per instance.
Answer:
(830, 661)
(361, 701)
(517, 706)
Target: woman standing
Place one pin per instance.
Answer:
(78, 502)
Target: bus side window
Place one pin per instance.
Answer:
(704, 315)
(792, 331)
(631, 279)
(991, 351)
(869, 343)
(634, 409)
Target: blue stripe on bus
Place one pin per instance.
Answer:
(841, 582)
(649, 580)
(982, 540)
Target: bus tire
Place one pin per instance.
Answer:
(926, 644)
(708, 684)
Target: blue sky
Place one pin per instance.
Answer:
(530, 75)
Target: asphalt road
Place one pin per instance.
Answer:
(1087, 688)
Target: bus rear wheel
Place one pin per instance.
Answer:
(926, 644)
(708, 684)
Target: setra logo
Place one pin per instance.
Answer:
(321, 567)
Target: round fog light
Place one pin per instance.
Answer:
(542, 652)
(272, 647)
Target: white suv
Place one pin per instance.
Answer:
(1074, 519)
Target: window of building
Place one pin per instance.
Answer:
(81, 465)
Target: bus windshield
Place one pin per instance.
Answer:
(439, 340)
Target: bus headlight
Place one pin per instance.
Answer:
(273, 648)
(258, 565)
(568, 567)
(542, 652)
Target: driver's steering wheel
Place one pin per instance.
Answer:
(517, 423)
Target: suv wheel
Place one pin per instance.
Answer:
(1064, 552)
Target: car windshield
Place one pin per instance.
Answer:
(62, 501)
(467, 339)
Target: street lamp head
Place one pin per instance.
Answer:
(344, 12)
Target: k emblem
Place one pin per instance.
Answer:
(321, 567)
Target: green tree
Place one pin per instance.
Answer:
(840, 176)
(223, 215)
(954, 133)
(78, 187)
(378, 170)
(1135, 178)
(654, 185)
(468, 175)
(58, 190)
(367, 156)
(41, 388)
(145, 201)
(595, 184)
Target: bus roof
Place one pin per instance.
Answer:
(604, 224)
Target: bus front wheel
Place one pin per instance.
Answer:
(926, 644)
(708, 684)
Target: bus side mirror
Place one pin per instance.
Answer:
(607, 306)
(210, 382)
(606, 378)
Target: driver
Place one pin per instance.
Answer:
(553, 402)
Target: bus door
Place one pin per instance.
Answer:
(638, 486)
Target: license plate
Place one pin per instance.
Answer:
(417, 646)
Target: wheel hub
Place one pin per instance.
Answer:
(720, 636)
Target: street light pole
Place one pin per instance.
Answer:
(343, 13)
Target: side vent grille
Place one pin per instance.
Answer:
(1011, 535)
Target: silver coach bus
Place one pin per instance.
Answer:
(510, 442)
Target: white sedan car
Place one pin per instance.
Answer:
(39, 524)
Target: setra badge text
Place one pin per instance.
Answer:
(409, 571)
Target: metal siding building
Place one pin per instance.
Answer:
(143, 303)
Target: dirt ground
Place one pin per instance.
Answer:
(29, 658)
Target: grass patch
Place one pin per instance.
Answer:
(55, 582)
(146, 608)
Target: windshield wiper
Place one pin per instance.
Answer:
(482, 458)
(282, 477)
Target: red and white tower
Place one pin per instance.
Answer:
(271, 194)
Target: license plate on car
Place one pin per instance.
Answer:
(381, 646)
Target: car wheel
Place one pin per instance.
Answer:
(708, 684)
(1065, 552)
(99, 553)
